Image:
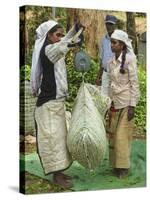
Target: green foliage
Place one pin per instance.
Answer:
(61, 16)
(120, 24)
(35, 15)
(25, 73)
(140, 114)
(75, 78)
(139, 14)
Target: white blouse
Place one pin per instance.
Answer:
(123, 88)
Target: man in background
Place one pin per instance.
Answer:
(105, 53)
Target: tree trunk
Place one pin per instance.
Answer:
(93, 20)
(24, 39)
(131, 29)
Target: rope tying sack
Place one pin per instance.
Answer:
(86, 138)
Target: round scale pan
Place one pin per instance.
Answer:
(82, 62)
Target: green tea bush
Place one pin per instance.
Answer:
(75, 78)
(25, 73)
(140, 113)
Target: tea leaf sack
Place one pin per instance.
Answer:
(86, 138)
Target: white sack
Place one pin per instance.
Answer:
(86, 139)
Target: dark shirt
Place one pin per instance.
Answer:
(48, 85)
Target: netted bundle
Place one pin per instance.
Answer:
(86, 138)
(102, 102)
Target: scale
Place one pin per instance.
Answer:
(82, 60)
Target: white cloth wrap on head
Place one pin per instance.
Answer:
(123, 36)
(36, 69)
(54, 52)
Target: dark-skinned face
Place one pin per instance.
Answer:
(56, 36)
(110, 28)
(116, 46)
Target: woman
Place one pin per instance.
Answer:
(124, 92)
(49, 83)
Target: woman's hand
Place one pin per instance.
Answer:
(98, 81)
(130, 113)
(78, 26)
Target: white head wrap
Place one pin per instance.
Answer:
(123, 36)
(36, 69)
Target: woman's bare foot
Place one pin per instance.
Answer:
(62, 180)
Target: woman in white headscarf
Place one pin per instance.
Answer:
(49, 84)
(124, 93)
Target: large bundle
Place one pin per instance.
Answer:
(102, 102)
(87, 136)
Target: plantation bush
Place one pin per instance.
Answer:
(25, 73)
(75, 78)
(140, 113)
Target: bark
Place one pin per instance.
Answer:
(131, 29)
(93, 20)
(23, 39)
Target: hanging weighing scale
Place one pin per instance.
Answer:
(81, 59)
